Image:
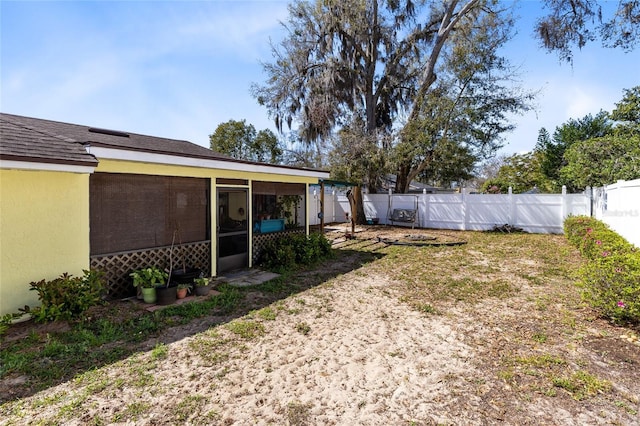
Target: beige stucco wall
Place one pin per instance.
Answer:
(44, 221)
(44, 231)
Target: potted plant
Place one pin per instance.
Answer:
(202, 286)
(184, 275)
(182, 290)
(147, 279)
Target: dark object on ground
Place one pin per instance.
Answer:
(418, 242)
(508, 229)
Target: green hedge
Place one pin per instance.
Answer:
(611, 276)
(296, 249)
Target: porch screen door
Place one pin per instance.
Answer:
(232, 230)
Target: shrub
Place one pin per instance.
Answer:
(611, 276)
(612, 285)
(593, 237)
(297, 249)
(67, 297)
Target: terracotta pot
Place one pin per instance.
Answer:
(181, 293)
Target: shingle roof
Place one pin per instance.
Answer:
(47, 141)
(23, 142)
(111, 139)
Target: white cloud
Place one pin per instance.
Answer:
(240, 28)
(583, 100)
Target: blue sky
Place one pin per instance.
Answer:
(177, 69)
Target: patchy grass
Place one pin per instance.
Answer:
(511, 298)
(582, 384)
(303, 328)
(246, 329)
(267, 314)
(50, 357)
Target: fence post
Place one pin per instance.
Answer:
(563, 208)
(465, 212)
(512, 208)
(389, 212)
(422, 203)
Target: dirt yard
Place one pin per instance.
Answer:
(490, 331)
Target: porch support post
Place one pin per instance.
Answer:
(322, 206)
(307, 207)
(213, 197)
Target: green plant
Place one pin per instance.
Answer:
(287, 207)
(160, 351)
(6, 320)
(593, 237)
(67, 297)
(612, 285)
(582, 385)
(611, 276)
(246, 329)
(267, 314)
(297, 249)
(201, 282)
(303, 328)
(149, 277)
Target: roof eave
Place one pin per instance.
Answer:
(172, 158)
(38, 164)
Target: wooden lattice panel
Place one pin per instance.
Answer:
(260, 240)
(118, 266)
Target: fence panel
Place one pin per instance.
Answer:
(443, 211)
(486, 211)
(537, 213)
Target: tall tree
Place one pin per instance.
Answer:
(572, 24)
(627, 112)
(356, 65)
(602, 159)
(302, 154)
(521, 172)
(240, 140)
(467, 106)
(552, 150)
(452, 164)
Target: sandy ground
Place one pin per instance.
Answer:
(348, 352)
(365, 360)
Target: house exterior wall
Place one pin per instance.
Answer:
(135, 167)
(44, 228)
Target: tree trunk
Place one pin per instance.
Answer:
(357, 205)
(402, 182)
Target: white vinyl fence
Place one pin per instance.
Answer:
(618, 205)
(537, 213)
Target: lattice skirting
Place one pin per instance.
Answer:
(118, 266)
(259, 240)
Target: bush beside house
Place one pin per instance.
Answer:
(298, 249)
(611, 276)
